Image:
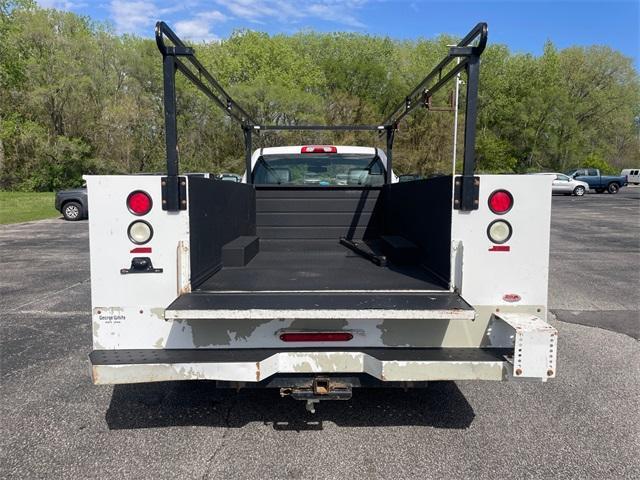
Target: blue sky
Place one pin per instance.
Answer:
(523, 25)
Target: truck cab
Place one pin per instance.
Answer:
(322, 165)
(320, 272)
(598, 182)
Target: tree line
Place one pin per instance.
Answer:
(76, 98)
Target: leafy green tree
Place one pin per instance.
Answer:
(76, 98)
(593, 160)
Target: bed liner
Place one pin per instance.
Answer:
(300, 265)
(319, 279)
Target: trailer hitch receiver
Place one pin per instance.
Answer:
(322, 388)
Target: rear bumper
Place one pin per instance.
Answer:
(255, 365)
(523, 346)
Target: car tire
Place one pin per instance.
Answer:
(613, 188)
(599, 190)
(72, 211)
(579, 191)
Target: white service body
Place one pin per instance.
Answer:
(507, 288)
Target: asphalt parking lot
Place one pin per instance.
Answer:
(584, 424)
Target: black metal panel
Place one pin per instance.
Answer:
(321, 205)
(318, 232)
(218, 213)
(170, 121)
(420, 211)
(466, 193)
(469, 198)
(229, 355)
(174, 193)
(311, 219)
(388, 174)
(308, 213)
(247, 153)
(320, 301)
(171, 199)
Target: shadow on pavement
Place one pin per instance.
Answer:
(171, 404)
(620, 321)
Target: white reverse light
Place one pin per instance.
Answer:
(140, 232)
(499, 231)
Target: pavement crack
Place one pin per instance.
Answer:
(48, 313)
(223, 440)
(44, 297)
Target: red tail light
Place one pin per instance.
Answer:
(316, 337)
(500, 202)
(139, 202)
(319, 149)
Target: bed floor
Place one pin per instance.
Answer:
(317, 265)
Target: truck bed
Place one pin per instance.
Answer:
(319, 279)
(290, 265)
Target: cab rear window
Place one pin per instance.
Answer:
(319, 169)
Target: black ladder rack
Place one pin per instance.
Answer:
(179, 57)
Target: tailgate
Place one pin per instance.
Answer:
(320, 305)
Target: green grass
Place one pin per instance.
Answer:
(18, 207)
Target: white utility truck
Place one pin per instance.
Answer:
(319, 272)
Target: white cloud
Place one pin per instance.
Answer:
(194, 19)
(196, 30)
(199, 28)
(131, 17)
(213, 15)
(250, 10)
(139, 16)
(335, 14)
(290, 11)
(61, 4)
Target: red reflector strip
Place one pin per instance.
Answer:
(500, 248)
(141, 250)
(316, 337)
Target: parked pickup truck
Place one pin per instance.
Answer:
(72, 204)
(598, 182)
(316, 288)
